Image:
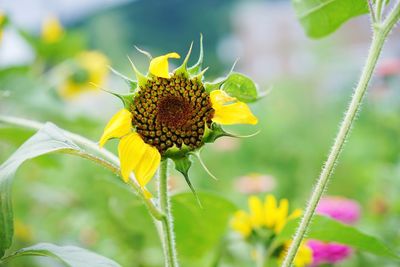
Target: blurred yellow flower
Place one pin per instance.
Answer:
(2, 23)
(52, 30)
(22, 231)
(304, 256)
(267, 215)
(88, 69)
(168, 112)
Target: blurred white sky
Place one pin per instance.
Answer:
(30, 13)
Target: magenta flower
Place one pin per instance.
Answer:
(341, 209)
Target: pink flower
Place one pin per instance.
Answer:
(388, 67)
(254, 183)
(341, 209)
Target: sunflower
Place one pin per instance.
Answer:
(170, 115)
(264, 222)
(87, 69)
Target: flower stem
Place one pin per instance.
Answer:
(381, 32)
(167, 223)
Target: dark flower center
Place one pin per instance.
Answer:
(175, 111)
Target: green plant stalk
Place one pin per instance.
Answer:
(112, 162)
(170, 254)
(381, 32)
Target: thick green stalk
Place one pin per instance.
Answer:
(167, 222)
(381, 32)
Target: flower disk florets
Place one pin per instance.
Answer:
(170, 112)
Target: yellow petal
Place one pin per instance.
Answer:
(119, 125)
(241, 223)
(52, 31)
(137, 156)
(256, 211)
(295, 214)
(270, 211)
(281, 215)
(304, 256)
(159, 65)
(230, 111)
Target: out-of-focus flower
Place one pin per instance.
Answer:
(226, 144)
(254, 183)
(379, 205)
(22, 231)
(3, 20)
(170, 115)
(330, 253)
(388, 67)
(52, 30)
(264, 221)
(86, 71)
(304, 256)
(341, 209)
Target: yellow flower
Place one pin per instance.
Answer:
(2, 23)
(304, 256)
(52, 30)
(168, 115)
(89, 68)
(267, 215)
(22, 231)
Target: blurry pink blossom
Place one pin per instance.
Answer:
(254, 183)
(226, 144)
(388, 67)
(341, 209)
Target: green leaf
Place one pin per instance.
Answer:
(240, 86)
(199, 230)
(322, 17)
(48, 139)
(69, 255)
(326, 229)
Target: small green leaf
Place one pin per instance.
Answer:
(69, 255)
(199, 230)
(326, 229)
(240, 86)
(48, 139)
(322, 17)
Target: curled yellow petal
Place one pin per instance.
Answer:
(52, 31)
(256, 211)
(159, 65)
(137, 156)
(119, 125)
(270, 211)
(230, 111)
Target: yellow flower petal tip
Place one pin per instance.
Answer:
(137, 156)
(228, 110)
(147, 193)
(52, 31)
(159, 65)
(118, 126)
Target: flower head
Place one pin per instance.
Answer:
(269, 216)
(264, 221)
(170, 115)
(341, 209)
(52, 30)
(87, 69)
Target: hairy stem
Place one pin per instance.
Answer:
(381, 32)
(167, 222)
(112, 162)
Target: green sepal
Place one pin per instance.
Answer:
(182, 69)
(215, 85)
(213, 133)
(183, 165)
(196, 68)
(141, 79)
(127, 100)
(175, 152)
(131, 83)
(241, 87)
